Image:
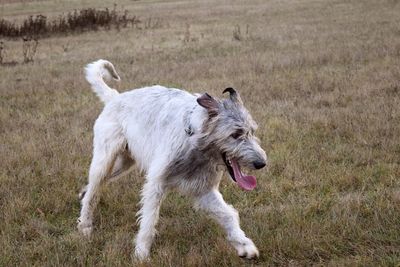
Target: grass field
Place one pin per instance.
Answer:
(322, 78)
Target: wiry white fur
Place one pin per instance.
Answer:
(149, 123)
(95, 72)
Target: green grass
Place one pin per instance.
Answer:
(322, 80)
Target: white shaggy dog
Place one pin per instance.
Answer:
(179, 140)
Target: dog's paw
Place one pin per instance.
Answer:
(141, 254)
(85, 228)
(247, 250)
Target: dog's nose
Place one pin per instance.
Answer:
(259, 164)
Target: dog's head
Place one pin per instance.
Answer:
(230, 130)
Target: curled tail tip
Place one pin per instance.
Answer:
(95, 74)
(101, 67)
(111, 70)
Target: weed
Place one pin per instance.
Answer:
(29, 46)
(186, 37)
(89, 19)
(1, 51)
(236, 33)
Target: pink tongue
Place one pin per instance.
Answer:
(246, 182)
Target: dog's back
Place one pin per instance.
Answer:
(148, 110)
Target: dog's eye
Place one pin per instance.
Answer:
(237, 134)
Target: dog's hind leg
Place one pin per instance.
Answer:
(108, 142)
(213, 203)
(122, 165)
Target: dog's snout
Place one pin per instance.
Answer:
(259, 164)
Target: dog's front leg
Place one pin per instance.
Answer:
(213, 203)
(152, 195)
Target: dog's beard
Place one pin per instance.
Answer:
(247, 182)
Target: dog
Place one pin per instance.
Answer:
(180, 141)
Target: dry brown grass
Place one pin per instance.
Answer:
(322, 78)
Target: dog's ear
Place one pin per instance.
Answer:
(233, 94)
(209, 103)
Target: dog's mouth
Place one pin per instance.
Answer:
(247, 182)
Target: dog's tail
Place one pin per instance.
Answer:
(95, 72)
